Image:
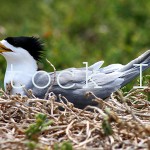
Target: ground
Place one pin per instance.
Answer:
(120, 122)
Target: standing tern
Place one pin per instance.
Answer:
(23, 53)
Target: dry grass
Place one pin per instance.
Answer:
(123, 122)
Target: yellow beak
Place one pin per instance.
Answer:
(4, 49)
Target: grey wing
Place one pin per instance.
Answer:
(73, 84)
(101, 84)
(108, 80)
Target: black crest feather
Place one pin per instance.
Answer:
(32, 44)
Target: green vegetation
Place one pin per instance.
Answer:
(75, 31)
(63, 146)
(34, 130)
(107, 127)
(146, 81)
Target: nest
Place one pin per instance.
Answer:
(122, 122)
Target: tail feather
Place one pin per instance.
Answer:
(144, 58)
(131, 71)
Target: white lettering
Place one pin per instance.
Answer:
(89, 78)
(65, 87)
(140, 75)
(13, 73)
(41, 87)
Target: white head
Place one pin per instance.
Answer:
(21, 54)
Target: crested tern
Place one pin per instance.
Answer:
(22, 54)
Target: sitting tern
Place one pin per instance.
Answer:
(23, 53)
